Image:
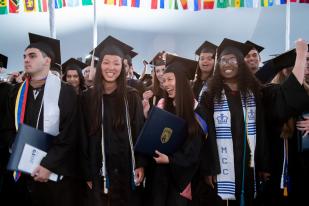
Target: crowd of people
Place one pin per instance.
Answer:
(246, 126)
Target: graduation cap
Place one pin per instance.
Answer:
(157, 60)
(147, 80)
(132, 54)
(228, 44)
(3, 61)
(187, 66)
(73, 63)
(284, 60)
(255, 46)
(111, 45)
(50, 46)
(206, 47)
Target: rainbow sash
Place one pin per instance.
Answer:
(20, 109)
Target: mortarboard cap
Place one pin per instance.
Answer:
(206, 47)
(132, 54)
(255, 46)
(231, 44)
(47, 45)
(147, 80)
(111, 45)
(74, 63)
(157, 60)
(3, 61)
(187, 66)
(284, 60)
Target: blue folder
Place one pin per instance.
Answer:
(31, 136)
(163, 131)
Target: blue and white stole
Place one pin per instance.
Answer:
(222, 118)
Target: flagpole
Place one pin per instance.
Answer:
(287, 25)
(95, 24)
(51, 8)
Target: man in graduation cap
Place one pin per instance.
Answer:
(253, 58)
(49, 105)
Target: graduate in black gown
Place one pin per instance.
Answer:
(173, 174)
(51, 107)
(73, 74)
(154, 94)
(206, 62)
(236, 118)
(113, 118)
(284, 102)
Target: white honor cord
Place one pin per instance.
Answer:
(103, 169)
(39, 115)
(130, 137)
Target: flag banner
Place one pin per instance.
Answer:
(123, 3)
(3, 7)
(73, 3)
(208, 4)
(135, 3)
(110, 2)
(184, 4)
(42, 5)
(29, 6)
(86, 2)
(222, 3)
(14, 6)
(304, 1)
(154, 4)
(161, 4)
(237, 3)
(197, 5)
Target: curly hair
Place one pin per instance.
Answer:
(245, 79)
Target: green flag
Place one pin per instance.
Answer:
(237, 3)
(86, 2)
(176, 5)
(3, 7)
(222, 3)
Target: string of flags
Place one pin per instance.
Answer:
(19, 6)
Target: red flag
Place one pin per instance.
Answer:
(154, 4)
(184, 4)
(14, 6)
(304, 1)
(208, 4)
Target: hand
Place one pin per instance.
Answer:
(89, 183)
(139, 176)
(146, 107)
(147, 95)
(41, 174)
(210, 180)
(301, 46)
(145, 63)
(303, 125)
(162, 158)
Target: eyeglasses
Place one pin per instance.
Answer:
(231, 61)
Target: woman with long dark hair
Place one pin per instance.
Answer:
(174, 175)
(206, 62)
(114, 116)
(73, 74)
(153, 95)
(233, 100)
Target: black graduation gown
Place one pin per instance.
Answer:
(60, 159)
(117, 148)
(138, 85)
(4, 129)
(210, 165)
(167, 181)
(281, 103)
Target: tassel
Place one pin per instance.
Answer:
(285, 191)
(242, 199)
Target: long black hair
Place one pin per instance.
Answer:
(80, 75)
(99, 90)
(184, 101)
(246, 80)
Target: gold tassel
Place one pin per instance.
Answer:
(285, 191)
